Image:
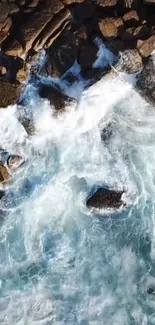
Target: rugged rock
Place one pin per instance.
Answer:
(146, 47)
(84, 10)
(87, 55)
(111, 27)
(130, 61)
(33, 27)
(4, 175)
(55, 96)
(62, 54)
(131, 18)
(14, 161)
(146, 79)
(9, 93)
(105, 198)
(52, 30)
(15, 67)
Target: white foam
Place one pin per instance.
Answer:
(93, 271)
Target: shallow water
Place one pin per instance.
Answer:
(59, 263)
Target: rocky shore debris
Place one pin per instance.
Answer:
(105, 198)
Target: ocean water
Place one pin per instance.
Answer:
(61, 263)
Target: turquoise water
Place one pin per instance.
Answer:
(59, 262)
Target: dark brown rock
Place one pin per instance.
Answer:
(4, 175)
(62, 54)
(33, 27)
(82, 32)
(105, 198)
(131, 18)
(87, 55)
(134, 33)
(9, 93)
(111, 27)
(84, 10)
(57, 99)
(146, 47)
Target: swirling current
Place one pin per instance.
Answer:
(60, 263)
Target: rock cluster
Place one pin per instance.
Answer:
(66, 29)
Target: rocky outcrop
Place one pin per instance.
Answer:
(130, 62)
(57, 99)
(105, 198)
(66, 30)
(86, 61)
(146, 79)
(146, 47)
(111, 27)
(62, 55)
(9, 93)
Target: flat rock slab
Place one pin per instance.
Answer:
(105, 198)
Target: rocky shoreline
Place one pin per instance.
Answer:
(67, 30)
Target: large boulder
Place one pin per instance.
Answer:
(146, 79)
(134, 33)
(31, 28)
(52, 30)
(62, 55)
(130, 61)
(146, 47)
(131, 18)
(9, 93)
(57, 99)
(105, 198)
(87, 55)
(84, 10)
(111, 27)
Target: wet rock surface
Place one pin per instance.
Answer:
(105, 198)
(146, 79)
(66, 30)
(58, 100)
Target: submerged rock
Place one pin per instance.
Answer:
(105, 198)
(14, 161)
(58, 99)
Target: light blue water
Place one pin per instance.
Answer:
(59, 264)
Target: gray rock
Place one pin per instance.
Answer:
(146, 79)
